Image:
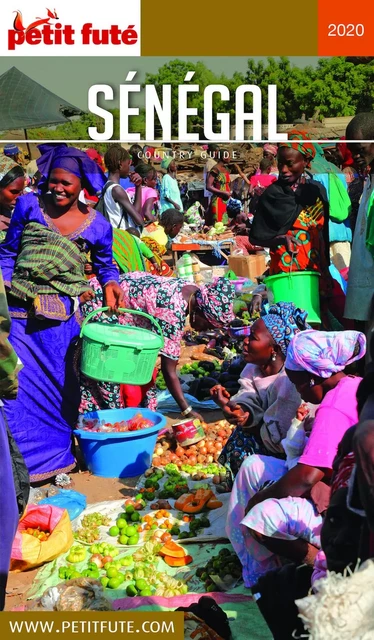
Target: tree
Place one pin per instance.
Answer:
(336, 87)
(174, 73)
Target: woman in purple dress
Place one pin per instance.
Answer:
(42, 260)
(9, 367)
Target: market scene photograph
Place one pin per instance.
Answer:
(186, 366)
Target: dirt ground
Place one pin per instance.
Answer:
(96, 490)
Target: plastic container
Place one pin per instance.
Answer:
(119, 353)
(120, 455)
(188, 431)
(184, 267)
(299, 287)
(239, 283)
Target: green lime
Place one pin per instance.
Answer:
(123, 516)
(112, 572)
(131, 590)
(113, 531)
(121, 523)
(107, 565)
(135, 517)
(104, 582)
(141, 584)
(121, 578)
(123, 539)
(127, 560)
(129, 531)
(139, 496)
(133, 539)
(145, 592)
(114, 583)
(130, 509)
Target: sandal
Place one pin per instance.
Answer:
(63, 481)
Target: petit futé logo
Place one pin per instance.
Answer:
(49, 31)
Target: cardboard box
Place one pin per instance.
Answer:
(248, 266)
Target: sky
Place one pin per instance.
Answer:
(70, 78)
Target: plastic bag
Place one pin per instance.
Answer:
(28, 551)
(339, 200)
(81, 594)
(73, 501)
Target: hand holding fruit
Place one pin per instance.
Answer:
(302, 412)
(220, 395)
(235, 414)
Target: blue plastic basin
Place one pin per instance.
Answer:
(120, 455)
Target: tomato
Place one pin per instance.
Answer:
(166, 537)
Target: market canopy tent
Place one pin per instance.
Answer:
(25, 103)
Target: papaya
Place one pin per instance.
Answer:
(181, 501)
(194, 502)
(172, 550)
(198, 502)
(213, 503)
(177, 562)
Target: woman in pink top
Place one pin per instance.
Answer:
(149, 194)
(276, 512)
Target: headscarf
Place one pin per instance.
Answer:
(7, 166)
(307, 149)
(31, 168)
(166, 162)
(271, 148)
(345, 153)
(74, 161)
(283, 321)
(215, 301)
(96, 157)
(11, 150)
(233, 206)
(324, 353)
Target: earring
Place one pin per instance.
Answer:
(274, 357)
(312, 383)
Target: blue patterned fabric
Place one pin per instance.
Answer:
(283, 320)
(233, 206)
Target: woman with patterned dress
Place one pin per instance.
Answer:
(169, 301)
(218, 183)
(42, 261)
(292, 215)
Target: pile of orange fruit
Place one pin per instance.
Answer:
(37, 533)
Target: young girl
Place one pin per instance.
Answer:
(267, 402)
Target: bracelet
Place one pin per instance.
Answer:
(186, 411)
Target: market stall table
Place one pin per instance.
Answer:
(181, 247)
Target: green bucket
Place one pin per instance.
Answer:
(299, 287)
(117, 353)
